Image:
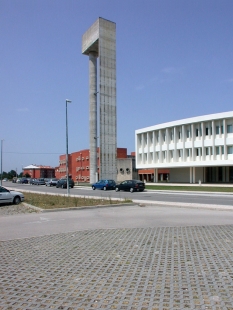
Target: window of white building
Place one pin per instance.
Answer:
(188, 133)
(217, 150)
(179, 153)
(217, 130)
(188, 152)
(230, 149)
(207, 151)
(229, 128)
(172, 135)
(222, 149)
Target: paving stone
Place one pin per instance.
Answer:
(147, 268)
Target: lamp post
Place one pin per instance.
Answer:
(81, 167)
(67, 160)
(96, 174)
(1, 160)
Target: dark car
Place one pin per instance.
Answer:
(32, 181)
(104, 184)
(63, 183)
(131, 185)
(24, 181)
(51, 182)
(39, 181)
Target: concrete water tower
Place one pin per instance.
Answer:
(99, 42)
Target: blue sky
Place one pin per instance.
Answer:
(174, 61)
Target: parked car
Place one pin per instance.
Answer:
(5, 180)
(51, 182)
(18, 180)
(63, 183)
(24, 181)
(7, 196)
(32, 180)
(39, 181)
(104, 184)
(14, 180)
(131, 185)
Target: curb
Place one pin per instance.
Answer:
(185, 205)
(77, 208)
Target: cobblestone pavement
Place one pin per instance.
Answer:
(15, 209)
(140, 268)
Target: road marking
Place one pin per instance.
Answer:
(44, 220)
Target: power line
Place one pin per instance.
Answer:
(34, 153)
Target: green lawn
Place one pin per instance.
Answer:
(45, 201)
(197, 188)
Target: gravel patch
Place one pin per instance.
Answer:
(16, 209)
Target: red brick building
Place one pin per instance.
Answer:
(39, 171)
(79, 164)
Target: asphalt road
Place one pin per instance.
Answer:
(131, 216)
(148, 196)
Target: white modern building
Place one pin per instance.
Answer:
(194, 149)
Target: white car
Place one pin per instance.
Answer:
(7, 196)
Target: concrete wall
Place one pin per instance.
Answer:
(126, 169)
(183, 175)
(179, 175)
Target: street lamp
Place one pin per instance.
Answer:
(1, 160)
(67, 161)
(81, 165)
(96, 174)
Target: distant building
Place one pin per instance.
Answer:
(39, 171)
(79, 165)
(193, 149)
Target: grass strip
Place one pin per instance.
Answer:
(191, 188)
(45, 201)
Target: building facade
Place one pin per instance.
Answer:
(79, 166)
(198, 149)
(39, 171)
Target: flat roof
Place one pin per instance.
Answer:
(185, 121)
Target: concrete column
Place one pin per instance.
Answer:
(192, 140)
(224, 138)
(160, 146)
(167, 142)
(213, 140)
(156, 175)
(175, 145)
(93, 114)
(153, 162)
(203, 156)
(194, 175)
(191, 174)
